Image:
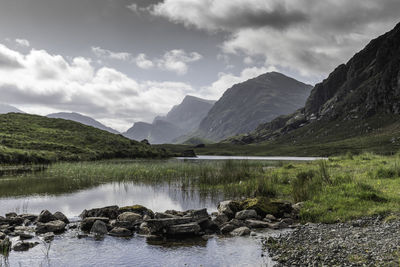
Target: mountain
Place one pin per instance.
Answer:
(82, 119)
(180, 120)
(359, 102)
(244, 106)
(4, 109)
(36, 139)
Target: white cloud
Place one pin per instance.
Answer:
(40, 82)
(23, 42)
(227, 80)
(144, 63)
(308, 37)
(175, 60)
(104, 53)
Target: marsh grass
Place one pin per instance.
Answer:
(338, 189)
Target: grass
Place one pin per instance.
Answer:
(338, 189)
(35, 139)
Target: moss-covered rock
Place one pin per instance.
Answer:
(264, 206)
(138, 209)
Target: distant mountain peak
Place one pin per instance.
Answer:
(77, 117)
(5, 108)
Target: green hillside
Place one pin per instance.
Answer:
(35, 139)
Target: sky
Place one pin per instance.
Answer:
(124, 61)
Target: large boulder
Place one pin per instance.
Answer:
(120, 232)
(87, 223)
(220, 219)
(53, 226)
(264, 206)
(229, 208)
(241, 231)
(110, 212)
(198, 215)
(138, 209)
(246, 214)
(60, 216)
(99, 228)
(184, 229)
(46, 216)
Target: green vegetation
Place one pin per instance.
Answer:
(35, 139)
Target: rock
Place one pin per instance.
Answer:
(2, 236)
(229, 208)
(60, 216)
(246, 214)
(198, 215)
(24, 236)
(87, 223)
(270, 217)
(24, 246)
(146, 217)
(241, 231)
(11, 214)
(220, 219)
(120, 232)
(130, 217)
(184, 229)
(144, 229)
(30, 217)
(258, 224)
(288, 221)
(159, 226)
(209, 226)
(53, 226)
(123, 224)
(15, 221)
(161, 215)
(46, 216)
(48, 237)
(110, 212)
(99, 228)
(138, 209)
(227, 228)
(264, 206)
(5, 246)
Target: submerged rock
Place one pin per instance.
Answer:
(120, 232)
(87, 223)
(241, 231)
(99, 228)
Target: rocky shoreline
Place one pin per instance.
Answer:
(363, 242)
(234, 218)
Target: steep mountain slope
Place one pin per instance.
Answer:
(35, 139)
(244, 106)
(82, 119)
(188, 114)
(180, 120)
(360, 99)
(4, 109)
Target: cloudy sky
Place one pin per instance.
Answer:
(122, 61)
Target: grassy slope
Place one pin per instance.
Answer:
(30, 138)
(380, 134)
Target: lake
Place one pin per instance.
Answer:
(71, 188)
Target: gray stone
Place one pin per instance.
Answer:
(146, 217)
(144, 229)
(198, 215)
(110, 212)
(24, 246)
(270, 217)
(87, 223)
(24, 236)
(246, 214)
(11, 214)
(159, 225)
(162, 215)
(120, 232)
(130, 217)
(229, 208)
(184, 229)
(99, 228)
(241, 231)
(46, 216)
(258, 224)
(220, 219)
(60, 216)
(53, 226)
(2, 236)
(48, 237)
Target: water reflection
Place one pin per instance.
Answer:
(158, 198)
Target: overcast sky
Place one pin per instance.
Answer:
(123, 61)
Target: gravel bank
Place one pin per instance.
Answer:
(363, 242)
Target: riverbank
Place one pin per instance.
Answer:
(373, 241)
